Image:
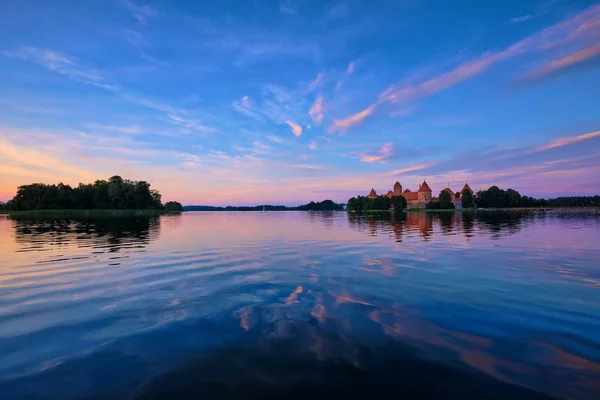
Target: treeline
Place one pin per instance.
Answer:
(495, 197)
(116, 193)
(575, 201)
(325, 205)
(238, 208)
(379, 203)
(2, 206)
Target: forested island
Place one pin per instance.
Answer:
(325, 205)
(114, 194)
(494, 197)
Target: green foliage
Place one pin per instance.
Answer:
(173, 206)
(116, 193)
(325, 205)
(398, 203)
(575, 201)
(433, 205)
(467, 199)
(381, 203)
(495, 197)
(445, 200)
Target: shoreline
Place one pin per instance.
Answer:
(90, 213)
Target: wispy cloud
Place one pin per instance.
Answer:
(568, 140)
(567, 61)
(352, 120)
(296, 129)
(580, 28)
(352, 67)
(527, 17)
(312, 145)
(63, 64)
(132, 130)
(316, 83)
(275, 139)
(316, 111)
(141, 12)
(387, 151)
(411, 169)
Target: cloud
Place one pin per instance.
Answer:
(580, 28)
(296, 129)
(387, 151)
(527, 17)
(245, 102)
(62, 64)
(316, 111)
(353, 120)
(351, 67)
(275, 139)
(316, 83)
(141, 12)
(312, 145)
(578, 56)
(133, 129)
(411, 169)
(568, 140)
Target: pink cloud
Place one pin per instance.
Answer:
(245, 101)
(313, 145)
(411, 169)
(386, 151)
(316, 111)
(316, 83)
(569, 140)
(353, 120)
(578, 56)
(296, 128)
(583, 27)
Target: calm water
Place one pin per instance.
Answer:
(306, 304)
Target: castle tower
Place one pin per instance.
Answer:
(372, 194)
(424, 194)
(397, 189)
(466, 187)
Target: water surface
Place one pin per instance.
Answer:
(254, 304)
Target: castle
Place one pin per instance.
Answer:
(422, 196)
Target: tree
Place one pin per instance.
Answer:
(116, 193)
(398, 203)
(467, 199)
(445, 200)
(173, 206)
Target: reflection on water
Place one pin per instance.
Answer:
(448, 305)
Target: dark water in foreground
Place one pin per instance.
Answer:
(280, 304)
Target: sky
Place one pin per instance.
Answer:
(287, 101)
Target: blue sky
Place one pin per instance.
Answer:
(247, 102)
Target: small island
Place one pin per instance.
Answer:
(464, 199)
(114, 196)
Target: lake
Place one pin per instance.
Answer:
(301, 304)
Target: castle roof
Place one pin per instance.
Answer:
(397, 184)
(424, 187)
(372, 192)
(467, 187)
(390, 193)
(407, 190)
